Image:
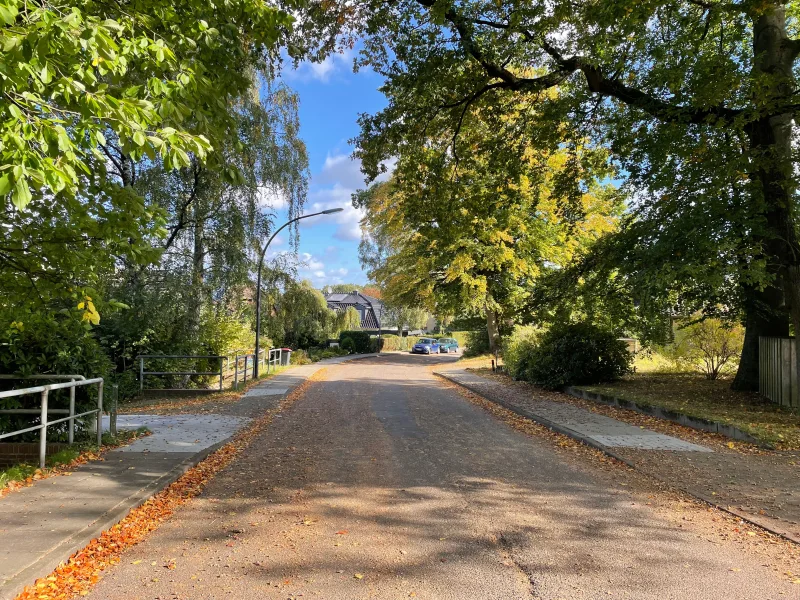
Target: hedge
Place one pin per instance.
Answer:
(360, 342)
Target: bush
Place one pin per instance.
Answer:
(575, 354)
(360, 342)
(348, 345)
(518, 349)
(42, 343)
(477, 342)
(709, 346)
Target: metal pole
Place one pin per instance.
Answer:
(258, 278)
(220, 373)
(141, 375)
(71, 433)
(99, 414)
(236, 372)
(43, 430)
(112, 418)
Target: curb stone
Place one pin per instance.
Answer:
(752, 519)
(730, 431)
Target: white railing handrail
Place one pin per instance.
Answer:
(45, 390)
(46, 376)
(49, 387)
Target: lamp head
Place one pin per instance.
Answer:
(330, 211)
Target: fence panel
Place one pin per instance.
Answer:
(777, 371)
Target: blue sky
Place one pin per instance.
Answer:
(331, 98)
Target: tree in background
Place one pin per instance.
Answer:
(469, 224)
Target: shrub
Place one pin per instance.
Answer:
(301, 357)
(709, 346)
(518, 349)
(41, 343)
(360, 341)
(348, 345)
(477, 343)
(576, 354)
(393, 343)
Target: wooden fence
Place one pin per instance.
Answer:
(777, 371)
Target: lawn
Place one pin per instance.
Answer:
(696, 396)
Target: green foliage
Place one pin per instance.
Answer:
(73, 72)
(224, 333)
(694, 102)
(301, 318)
(518, 349)
(572, 354)
(36, 343)
(477, 343)
(709, 346)
(348, 345)
(358, 342)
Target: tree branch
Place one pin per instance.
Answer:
(596, 81)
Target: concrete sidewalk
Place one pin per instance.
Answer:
(43, 524)
(760, 486)
(595, 430)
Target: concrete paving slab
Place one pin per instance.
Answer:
(266, 391)
(581, 423)
(178, 433)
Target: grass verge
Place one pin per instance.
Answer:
(695, 396)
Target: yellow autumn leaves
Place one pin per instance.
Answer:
(90, 314)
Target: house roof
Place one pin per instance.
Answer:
(365, 305)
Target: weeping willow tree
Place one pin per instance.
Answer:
(218, 212)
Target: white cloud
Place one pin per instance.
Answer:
(323, 71)
(273, 198)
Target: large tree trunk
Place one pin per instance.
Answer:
(771, 174)
(198, 272)
(491, 329)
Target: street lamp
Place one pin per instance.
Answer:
(330, 211)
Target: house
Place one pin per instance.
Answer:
(370, 309)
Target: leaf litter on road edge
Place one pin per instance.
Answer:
(738, 530)
(82, 570)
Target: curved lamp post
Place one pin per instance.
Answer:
(330, 211)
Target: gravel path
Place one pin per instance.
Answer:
(382, 482)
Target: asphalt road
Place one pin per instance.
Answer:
(381, 482)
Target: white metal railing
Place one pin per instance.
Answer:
(44, 423)
(274, 362)
(244, 370)
(220, 373)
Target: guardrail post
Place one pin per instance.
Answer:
(99, 414)
(43, 431)
(236, 372)
(245, 368)
(71, 422)
(112, 415)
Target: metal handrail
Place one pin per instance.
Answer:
(45, 390)
(223, 360)
(70, 377)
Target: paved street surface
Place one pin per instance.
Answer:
(382, 482)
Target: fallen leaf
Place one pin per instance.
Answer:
(358, 576)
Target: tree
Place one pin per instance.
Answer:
(694, 98)
(405, 318)
(470, 225)
(711, 345)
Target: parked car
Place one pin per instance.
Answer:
(426, 346)
(448, 345)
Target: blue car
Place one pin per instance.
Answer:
(426, 346)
